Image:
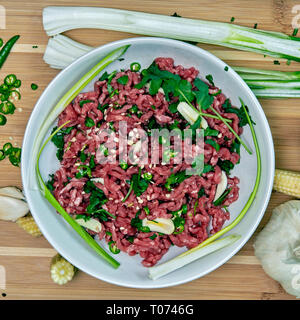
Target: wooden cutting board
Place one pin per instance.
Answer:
(26, 259)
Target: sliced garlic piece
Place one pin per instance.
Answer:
(12, 192)
(98, 180)
(203, 123)
(162, 225)
(91, 224)
(12, 209)
(221, 186)
(161, 90)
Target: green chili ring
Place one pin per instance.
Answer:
(135, 67)
(7, 148)
(7, 107)
(7, 48)
(2, 155)
(3, 120)
(10, 80)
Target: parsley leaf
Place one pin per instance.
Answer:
(59, 141)
(123, 80)
(203, 98)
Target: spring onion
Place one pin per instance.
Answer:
(210, 244)
(52, 200)
(190, 256)
(68, 97)
(59, 19)
(37, 148)
(270, 83)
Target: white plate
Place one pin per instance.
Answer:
(131, 273)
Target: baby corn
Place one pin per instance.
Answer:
(61, 270)
(28, 224)
(287, 182)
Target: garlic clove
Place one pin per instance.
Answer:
(12, 192)
(12, 209)
(221, 186)
(98, 180)
(91, 224)
(203, 123)
(161, 225)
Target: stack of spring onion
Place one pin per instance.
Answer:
(61, 50)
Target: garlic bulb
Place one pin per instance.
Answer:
(277, 246)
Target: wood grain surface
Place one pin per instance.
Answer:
(26, 259)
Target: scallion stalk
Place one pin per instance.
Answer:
(37, 148)
(59, 19)
(197, 252)
(190, 256)
(51, 199)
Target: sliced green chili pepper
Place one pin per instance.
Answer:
(3, 120)
(7, 107)
(15, 92)
(4, 88)
(7, 48)
(124, 165)
(34, 86)
(113, 248)
(18, 83)
(8, 148)
(2, 155)
(147, 176)
(14, 160)
(135, 67)
(10, 80)
(1, 42)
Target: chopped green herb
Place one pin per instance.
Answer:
(138, 223)
(58, 140)
(123, 80)
(153, 236)
(232, 19)
(213, 144)
(209, 78)
(89, 122)
(82, 102)
(222, 198)
(225, 165)
(295, 31)
(226, 68)
(255, 26)
(276, 62)
(50, 182)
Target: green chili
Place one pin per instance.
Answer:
(14, 93)
(18, 83)
(7, 148)
(34, 86)
(10, 80)
(7, 107)
(147, 176)
(124, 165)
(113, 248)
(7, 48)
(3, 120)
(1, 42)
(135, 67)
(2, 155)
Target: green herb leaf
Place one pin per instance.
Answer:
(123, 80)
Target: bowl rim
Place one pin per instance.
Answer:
(155, 285)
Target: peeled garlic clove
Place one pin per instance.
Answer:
(12, 209)
(161, 225)
(221, 186)
(204, 123)
(91, 224)
(12, 192)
